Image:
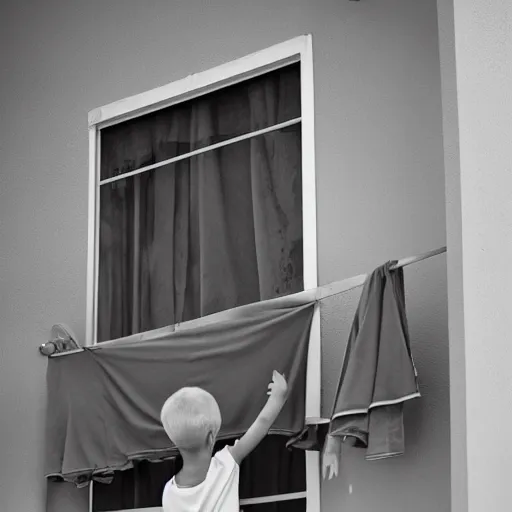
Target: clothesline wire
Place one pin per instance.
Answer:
(339, 287)
(314, 295)
(415, 259)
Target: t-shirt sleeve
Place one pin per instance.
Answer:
(225, 458)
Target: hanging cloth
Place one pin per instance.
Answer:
(378, 373)
(104, 405)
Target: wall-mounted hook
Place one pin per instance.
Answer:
(62, 340)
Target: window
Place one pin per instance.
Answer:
(202, 198)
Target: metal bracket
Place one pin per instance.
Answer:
(62, 340)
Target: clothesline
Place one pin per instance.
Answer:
(312, 295)
(328, 290)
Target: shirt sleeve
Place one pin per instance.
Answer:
(225, 458)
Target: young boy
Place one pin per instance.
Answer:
(192, 420)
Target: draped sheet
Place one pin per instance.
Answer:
(104, 405)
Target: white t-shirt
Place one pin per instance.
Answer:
(218, 492)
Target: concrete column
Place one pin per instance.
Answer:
(476, 69)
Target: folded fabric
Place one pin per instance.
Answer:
(104, 404)
(312, 437)
(378, 372)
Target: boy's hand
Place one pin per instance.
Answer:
(278, 389)
(331, 457)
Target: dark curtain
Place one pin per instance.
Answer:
(271, 469)
(203, 234)
(210, 232)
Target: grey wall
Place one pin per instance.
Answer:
(380, 195)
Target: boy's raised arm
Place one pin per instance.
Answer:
(277, 391)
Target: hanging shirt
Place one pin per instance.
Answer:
(218, 492)
(378, 374)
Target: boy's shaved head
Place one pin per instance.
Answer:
(188, 416)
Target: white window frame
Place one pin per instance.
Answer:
(299, 49)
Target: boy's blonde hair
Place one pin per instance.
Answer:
(189, 415)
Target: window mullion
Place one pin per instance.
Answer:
(199, 151)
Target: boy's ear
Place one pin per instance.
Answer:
(210, 440)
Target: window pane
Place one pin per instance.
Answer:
(273, 469)
(251, 105)
(212, 232)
